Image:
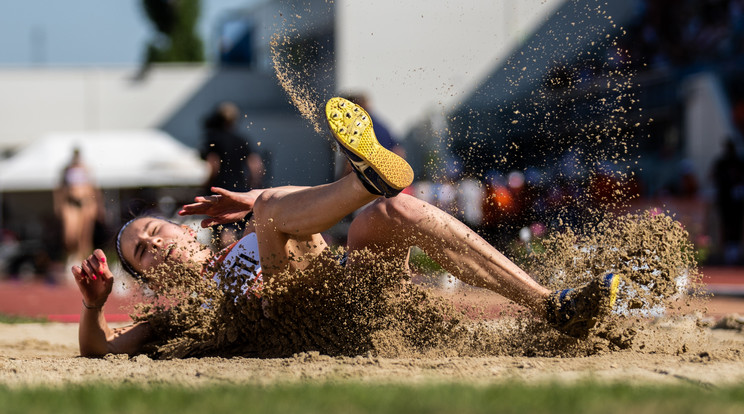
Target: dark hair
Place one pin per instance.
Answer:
(124, 263)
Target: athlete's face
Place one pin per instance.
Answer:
(148, 243)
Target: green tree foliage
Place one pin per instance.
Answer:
(176, 39)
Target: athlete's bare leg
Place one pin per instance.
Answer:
(288, 220)
(402, 221)
(393, 225)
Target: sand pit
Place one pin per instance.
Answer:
(36, 354)
(350, 329)
(373, 326)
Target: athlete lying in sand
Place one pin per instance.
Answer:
(285, 225)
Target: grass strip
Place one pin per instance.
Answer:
(9, 319)
(350, 398)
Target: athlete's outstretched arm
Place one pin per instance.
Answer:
(287, 220)
(289, 209)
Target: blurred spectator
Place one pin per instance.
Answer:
(728, 176)
(688, 186)
(664, 34)
(684, 32)
(78, 205)
(233, 162)
(9, 246)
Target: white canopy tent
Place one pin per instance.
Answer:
(116, 159)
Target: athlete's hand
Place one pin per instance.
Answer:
(94, 279)
(223, 207)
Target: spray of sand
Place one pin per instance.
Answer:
(372, 307)
(292, 77)
(375, 309)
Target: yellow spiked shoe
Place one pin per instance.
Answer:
(381, 171)
(575, 311)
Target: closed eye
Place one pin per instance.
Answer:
(139, 250)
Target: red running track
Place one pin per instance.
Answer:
(54, 302)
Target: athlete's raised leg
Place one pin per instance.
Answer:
(282, 215)
(288, 220)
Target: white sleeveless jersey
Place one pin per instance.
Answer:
(241, 261)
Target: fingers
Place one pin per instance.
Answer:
(94, 279)
(205, 199)
(209, 222)
(100, 255)
(103, 268)
(80, 278)
(188, 210)
(82, 275)
(95, 266)
(221, 191)
(77, 272)
(88, 269)
(200, 206)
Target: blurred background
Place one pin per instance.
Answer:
(520, 118)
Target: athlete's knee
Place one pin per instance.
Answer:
(399, 210)
(384, 223)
